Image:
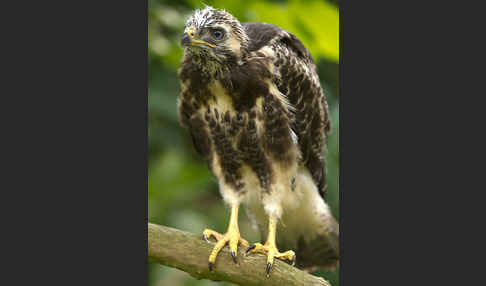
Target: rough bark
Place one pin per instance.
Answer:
(189, 252)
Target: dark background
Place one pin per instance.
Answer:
(181, 191)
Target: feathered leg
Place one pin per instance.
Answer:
(232, 237)
(270, 248)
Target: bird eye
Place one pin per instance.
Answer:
(218, 34)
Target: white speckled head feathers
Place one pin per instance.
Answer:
(209, 17)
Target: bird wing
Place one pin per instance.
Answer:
(298, 80)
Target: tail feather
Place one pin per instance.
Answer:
(322, 252)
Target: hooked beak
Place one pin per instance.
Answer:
(188, 39)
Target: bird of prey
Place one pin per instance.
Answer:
(252, 102)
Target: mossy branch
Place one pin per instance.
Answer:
(189, 252)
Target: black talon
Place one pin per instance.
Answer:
(268, 268)
(250, 248)
(205, 238)
(234, 256)
(210, 266)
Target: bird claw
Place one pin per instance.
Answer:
(269, 266)
(232, 237)
(272, 252)
(250, 249)
(206, 238)
(234, 256)
(293, 260)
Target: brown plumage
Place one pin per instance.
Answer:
(252, 102)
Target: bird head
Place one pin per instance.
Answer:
(214, 35)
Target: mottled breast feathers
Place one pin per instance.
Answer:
(277, 105)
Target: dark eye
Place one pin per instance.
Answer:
(218, 34)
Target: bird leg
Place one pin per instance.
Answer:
(270, 248)
(232, 237)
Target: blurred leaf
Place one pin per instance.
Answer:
(316, 24)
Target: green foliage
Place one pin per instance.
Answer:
(182, 193)
(315, 23)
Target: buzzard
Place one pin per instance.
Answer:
(252, 102)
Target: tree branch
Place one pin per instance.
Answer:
(189, 252)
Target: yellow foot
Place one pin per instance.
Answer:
(232, 237)
(272, 252)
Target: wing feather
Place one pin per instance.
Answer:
(298, 81)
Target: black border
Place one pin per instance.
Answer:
(79, 142)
